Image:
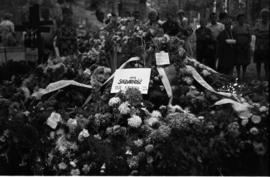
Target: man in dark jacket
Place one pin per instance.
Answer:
(203, 36)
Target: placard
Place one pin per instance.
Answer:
(162, 58)
(131, 78)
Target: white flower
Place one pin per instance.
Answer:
(124, 108)
(263, 109)
(254, 131)
(244, 122)
(52, 135)
(256, 119)
(205, 73)
(156, 114)
(73, 164)
(135, 121)
(72, 123)
(114, 101)
(97, 136)
(152, 121)
(201, 117)
(75, 172)
(53, 120)
(87, 72)
(83, 134)
(138, 142)
(62, 166)
(86, 168)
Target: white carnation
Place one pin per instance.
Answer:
(83, 134)
(124, 108)
(156, 114)
(152, 121)
(113, 101)
(135, 121)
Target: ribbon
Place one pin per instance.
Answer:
(201, 81)
(166, 83)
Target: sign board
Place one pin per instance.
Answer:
(131, 78)
(162, 58)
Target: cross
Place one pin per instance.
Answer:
(33, 29)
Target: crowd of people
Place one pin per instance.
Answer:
(228, 42)
(222, 44)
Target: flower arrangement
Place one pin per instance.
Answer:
(129, 133)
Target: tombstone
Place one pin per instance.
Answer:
(33, 28)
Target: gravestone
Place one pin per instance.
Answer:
(33, 28)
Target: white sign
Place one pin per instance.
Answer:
(131, 78)
(162, 58)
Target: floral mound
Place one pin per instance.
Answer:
(124, 135)
(128, 133)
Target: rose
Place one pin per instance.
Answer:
(244, 122)
(254, 131)
(256, 119)
(149, 148)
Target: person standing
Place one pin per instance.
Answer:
(203, 36)
(243, 38)
(226, 50)
(65, 42)
(7, 31)
(216, 28)
(171, 26)
(185, 31)
(261, 54)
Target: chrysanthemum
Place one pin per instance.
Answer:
(135, 121)
(133, 96)
(124, 108)
(114, 101)
(161, 134)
